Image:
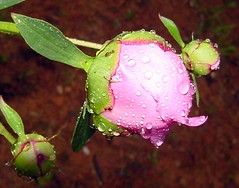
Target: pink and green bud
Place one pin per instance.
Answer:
(33, 155)
(138, 85)
(201, 57)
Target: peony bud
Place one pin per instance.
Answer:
(33, 155)
(138, 85)
(201, 57)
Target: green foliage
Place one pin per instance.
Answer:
(83, 132)
(12, 117)
(49, 41)
(7, 3)
(173, 30)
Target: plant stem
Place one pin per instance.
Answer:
(10, 28)
(6, 134)
(85, 43)
(197, 91)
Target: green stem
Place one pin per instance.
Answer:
(6, 134)
(85, 43)
(10, 28)
(197, 91)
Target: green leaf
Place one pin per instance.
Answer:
(83, 132)
(7, 3)
(9, 28)
(50, 42)
(6, 134)
(12, 117)
(173, 30)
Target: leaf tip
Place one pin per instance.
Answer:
(1, 101)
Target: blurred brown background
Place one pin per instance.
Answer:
(48, 96)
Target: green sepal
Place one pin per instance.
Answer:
(83, 132)
(12, 117)
(106, 127)
(99, 75)
(141, 36)
(173, 30)
(50, 42)
(7, 3)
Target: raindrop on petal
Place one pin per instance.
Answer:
(131, 63)
(165, 79)
(145, 59)
(183, 113)
(183, 88)
(138, 93)
(180, 71)
(149, 125)
(126, 56)
(148, 75)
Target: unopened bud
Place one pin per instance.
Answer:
(201, 57)
(33, 155)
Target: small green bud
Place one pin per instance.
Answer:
(33, 155)
(201, 57)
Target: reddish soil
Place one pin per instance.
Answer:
(48, 96)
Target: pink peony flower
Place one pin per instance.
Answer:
(150, 89)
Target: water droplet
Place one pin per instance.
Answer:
(126, 114)
(207, 40)
(202, 119)
(153, 31)
(183, 113)
(152, 45)
(116, 133)
(215, 66)
(145, 59)
(138, 93)
(103, 94)
(116, 78)
(165, 79)
(180, 71)
(8, 163)
(166, 97)
(126, 56)
(159, 143)
(158, 84)
(148, 75)
(141, 51)
(142, 131)
(183, 88)
(144, 106)
(92, 100)
(149, 125)
(143, 116)
(131, 63)
(101, 127)
(215, 45)
(141, 122)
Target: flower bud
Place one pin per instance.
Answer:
(138, 85)
(33, 155)
(201, 57)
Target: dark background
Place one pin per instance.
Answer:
(48, 96)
